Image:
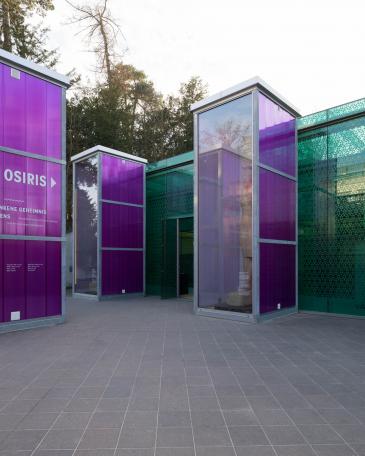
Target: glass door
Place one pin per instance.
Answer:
(186, 257)
(169, 259)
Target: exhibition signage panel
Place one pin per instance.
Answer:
(31, 279)
(32, 193)
(30, 196)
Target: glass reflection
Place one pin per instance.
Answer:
(86, 226)
(225, 206)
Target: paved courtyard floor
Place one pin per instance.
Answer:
(144, 377)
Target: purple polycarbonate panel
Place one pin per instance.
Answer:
(54, 121)
(13, 269)
(30, 196)
(35, 278)
(277, 277)
(36, 115)
(122, 226)
(122, 271)
(277, 206)
(30, 279)
(277, 136)
(36, 197)
(1, 104)
(1, 283)
(54, 278)
(14, 194)
(122, 180)
(54, 200)
(14, 112)
(30, 114)
(85, 225)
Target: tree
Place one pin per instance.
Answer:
(124, 111)
(101, 28)
(190, 92)
(19, 35)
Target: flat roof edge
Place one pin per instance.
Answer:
(108, 150)
(256, 81)
(171, 162)
(28, 66)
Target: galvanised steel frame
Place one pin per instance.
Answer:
(252, 86)
(97, 151)
(50, 76)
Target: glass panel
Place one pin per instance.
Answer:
(122, 226)
(225, 206)
(177, 160)
(337, 112)
(170, 193)
(277, 277)
(276, 136)
(169, 259)
(346, 217)
(312, 119)
(85, 235)
(186, 257)
(122, 272)
(277, 206)
(332, 218)
(312, 220)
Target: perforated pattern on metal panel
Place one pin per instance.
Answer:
(332, 218)
(169, 195)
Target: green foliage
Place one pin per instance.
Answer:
(130, 115)
(20, 36)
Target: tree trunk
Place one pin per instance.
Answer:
(6, 26)
(106, 52)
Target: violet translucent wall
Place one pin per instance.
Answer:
(34, 209)
(30, 196)
(30, 278)
(277, 207)
(122, 180)
(122, 270)
(30, 114)
(277, 137)
(122, 225)
(277, 276)
(225, 206)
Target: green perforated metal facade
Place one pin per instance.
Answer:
(331, 192)
(169, 194)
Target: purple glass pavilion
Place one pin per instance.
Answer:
(245, 203)
(109, 228)
(32, 194)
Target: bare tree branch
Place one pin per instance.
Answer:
(100, 27)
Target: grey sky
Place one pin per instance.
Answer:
(311, 51)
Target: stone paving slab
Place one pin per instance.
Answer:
(144, 376)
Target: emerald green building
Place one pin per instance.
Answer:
(169, 227)
(331, 210)
(331, 215)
